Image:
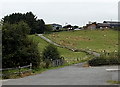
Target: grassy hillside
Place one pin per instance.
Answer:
(96, 40)
(69, 56)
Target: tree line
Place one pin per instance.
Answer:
(36, 25)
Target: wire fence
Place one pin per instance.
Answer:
(58, 62)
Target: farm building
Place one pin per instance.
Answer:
(56, 26)
(113, 24)
(91, 25)
(103, 26)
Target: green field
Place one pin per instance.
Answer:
(96, 40)
(70, 56)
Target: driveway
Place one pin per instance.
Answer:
(69, 75)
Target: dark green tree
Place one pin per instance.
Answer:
(30, 19)
(17, 48)
(48, 28)
(68, 26)
(40, 26)
(74, 27)
(51, 53)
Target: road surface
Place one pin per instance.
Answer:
(69, 75)
(48, 40)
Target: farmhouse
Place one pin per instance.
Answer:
(56, 26)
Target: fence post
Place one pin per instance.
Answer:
(30, 66)
(57, 62)
(19, 71)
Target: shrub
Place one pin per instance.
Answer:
(48, 63)
(50, 53)
(105, 59)
(97, 61)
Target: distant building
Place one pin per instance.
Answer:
(104, 25)
(56, 26)
(77, 29)
(112, 24)
(91, 25)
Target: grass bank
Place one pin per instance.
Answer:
(96, 40)
(70, 56)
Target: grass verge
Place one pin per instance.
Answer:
(113, 82)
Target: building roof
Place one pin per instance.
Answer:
(111, 22)
(56, 24)
(94, 23)
(103, 25)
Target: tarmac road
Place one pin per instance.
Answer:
(69, 75)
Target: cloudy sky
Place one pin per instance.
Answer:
(75, 12)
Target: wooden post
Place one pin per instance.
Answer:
(30, 66)
(57, 62)
(19, 71)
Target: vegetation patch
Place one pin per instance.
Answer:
(113, 82)
(105, 59)
(16, 73)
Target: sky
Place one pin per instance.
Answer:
(74, 12)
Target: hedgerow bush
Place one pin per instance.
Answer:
(50, 53)
(97, 61)
(105, 59)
